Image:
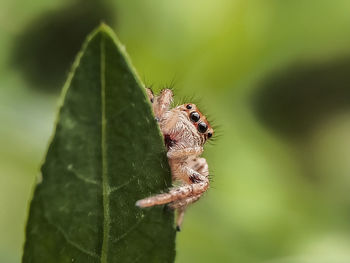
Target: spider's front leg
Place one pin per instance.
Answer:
(160, 103)
(176, 193)
(184, 202)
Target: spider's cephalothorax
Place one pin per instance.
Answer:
(185, 130)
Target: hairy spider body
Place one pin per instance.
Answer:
(185, 130)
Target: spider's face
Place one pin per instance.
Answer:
(198, 120)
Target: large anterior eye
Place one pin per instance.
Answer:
(194, 116)
(202, 127)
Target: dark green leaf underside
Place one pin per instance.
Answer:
(106, 153)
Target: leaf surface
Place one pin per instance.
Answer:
(106, 153)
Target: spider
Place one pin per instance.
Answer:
(185, 130)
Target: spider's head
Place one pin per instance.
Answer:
(198, 120)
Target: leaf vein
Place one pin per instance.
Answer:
(82, 178)
(69, 241)
(105, 183)
(116, 188)
(122, 236)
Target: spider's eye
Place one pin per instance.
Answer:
(189, 106)
(202, 127)
(209, 134)
(194, 116)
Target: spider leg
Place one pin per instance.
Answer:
(200, 165)
(180, 217)
(181, 206)
(174, 194)
(150, 95)
(184, 202)
(163, 102)
(160, 103)
(199, 184)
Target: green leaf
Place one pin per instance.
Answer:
(107, 152)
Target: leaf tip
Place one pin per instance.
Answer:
(104, 27)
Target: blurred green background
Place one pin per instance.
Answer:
(274, 76)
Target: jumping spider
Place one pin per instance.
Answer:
(185, 130)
